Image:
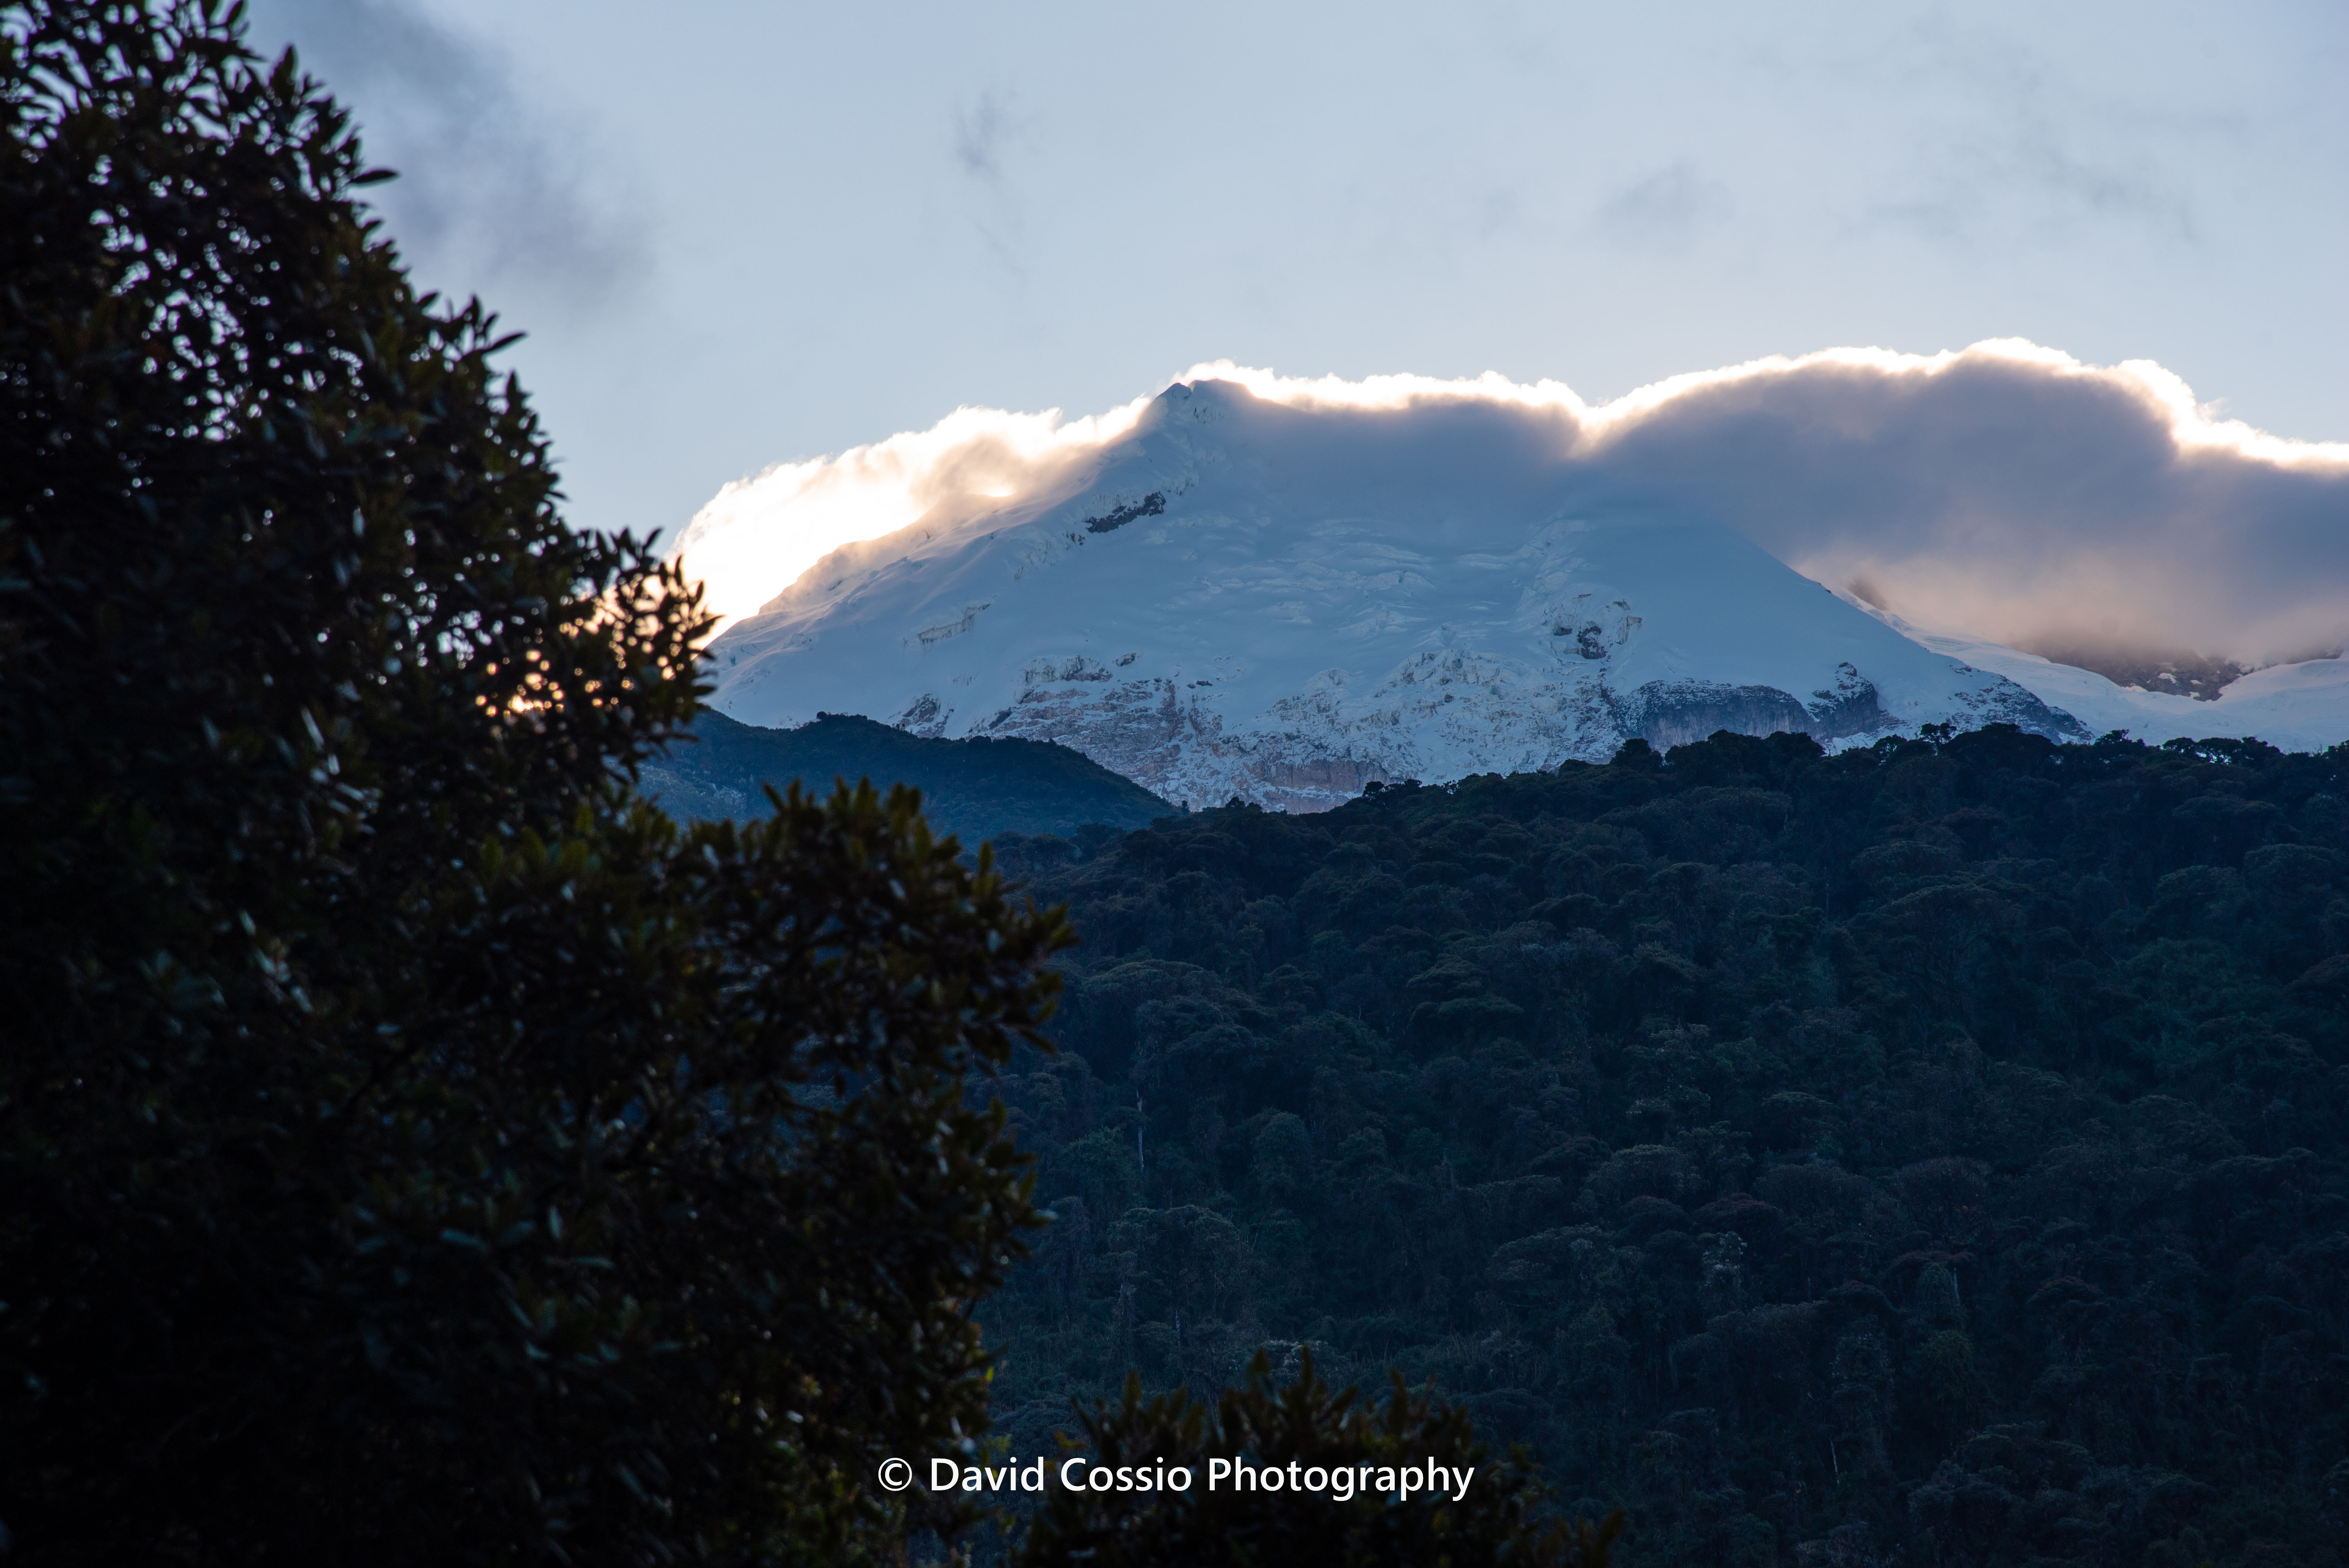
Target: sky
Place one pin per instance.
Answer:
(744, 234)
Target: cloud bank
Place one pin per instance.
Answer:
(489, 189)
(756, 536)
(2005, 490)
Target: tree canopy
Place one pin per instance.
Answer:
(415, 1148)
(1930, 1153)
(1488, 1511)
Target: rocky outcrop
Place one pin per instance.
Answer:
(1666, 714)
(2004, 702)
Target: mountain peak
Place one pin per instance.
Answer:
(1252, 599)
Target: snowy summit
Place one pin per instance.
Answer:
(1245, 597)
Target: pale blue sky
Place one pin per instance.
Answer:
(743, 233)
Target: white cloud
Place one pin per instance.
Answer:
(756, 536)
(2007, 488)
(1665, 210)
(2014, 491)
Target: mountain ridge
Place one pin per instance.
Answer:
(975, 789)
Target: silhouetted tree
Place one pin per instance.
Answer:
(414, 1148)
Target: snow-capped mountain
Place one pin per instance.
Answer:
(2302, 706)
(1244, 597)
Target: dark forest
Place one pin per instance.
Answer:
(1926, 1154)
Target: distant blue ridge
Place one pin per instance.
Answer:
(976, 789)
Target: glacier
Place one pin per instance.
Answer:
(1243, 598)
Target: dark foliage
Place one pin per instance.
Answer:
(1301, 1428)
(413, 1147)
(1931, 1153)
(975, 788)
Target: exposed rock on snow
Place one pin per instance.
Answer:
(1282, 603)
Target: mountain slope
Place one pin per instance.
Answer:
(2300, 707)
(975, 788)
(1280, 603)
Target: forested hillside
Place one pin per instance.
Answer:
(1928, 1154)
(975, 787)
